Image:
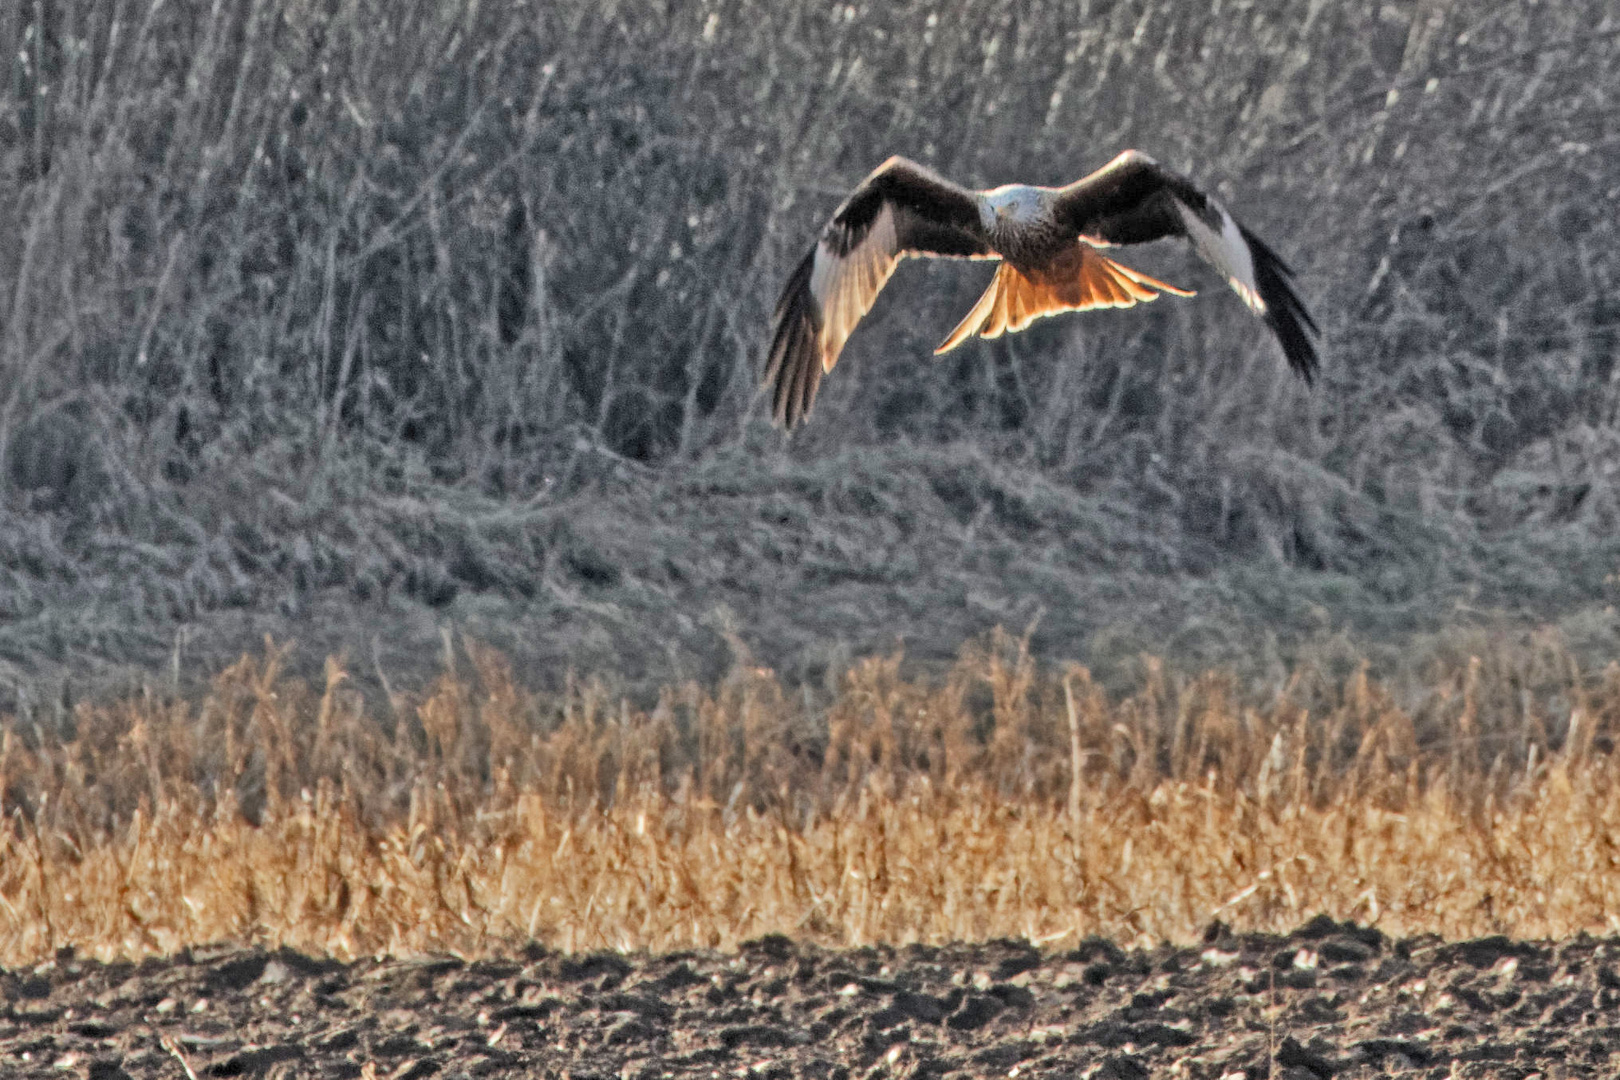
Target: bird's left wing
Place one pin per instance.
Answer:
(901, 209)
(1133, 199)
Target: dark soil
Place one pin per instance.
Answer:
(1327, 1000)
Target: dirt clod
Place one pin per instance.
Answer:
(1168, 1011)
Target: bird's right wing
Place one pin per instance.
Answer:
(901, 209)
(1133, 199)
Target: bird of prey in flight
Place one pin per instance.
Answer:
(1049, 241)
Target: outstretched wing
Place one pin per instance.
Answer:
(1133, 199)
(901, 209)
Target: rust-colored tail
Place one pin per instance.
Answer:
(1081, 279)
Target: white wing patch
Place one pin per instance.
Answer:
(845, 287)
(1226, 250)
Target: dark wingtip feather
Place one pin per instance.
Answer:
(1286, 313)
(793, 366)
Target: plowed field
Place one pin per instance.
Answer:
(1326, 1000)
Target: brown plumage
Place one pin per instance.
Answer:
(1048, 240)
(1079, 278)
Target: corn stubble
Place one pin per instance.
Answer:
(1001, 800)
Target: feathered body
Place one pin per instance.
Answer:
(1020, 227)
(1049, 241)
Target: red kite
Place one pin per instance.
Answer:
(1048, 241)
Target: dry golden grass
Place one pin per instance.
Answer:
(1002, 800)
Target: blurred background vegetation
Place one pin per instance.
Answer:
(359, 321)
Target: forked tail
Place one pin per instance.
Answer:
(1080, 279)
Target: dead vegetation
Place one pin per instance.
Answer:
(310, 307)
(1003, 800)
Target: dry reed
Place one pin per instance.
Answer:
(1001, 800)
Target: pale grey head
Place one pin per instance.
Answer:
(1019, 221)
(1018, 204)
